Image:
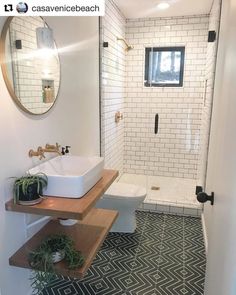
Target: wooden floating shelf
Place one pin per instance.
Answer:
(88, 236)
(67, 207)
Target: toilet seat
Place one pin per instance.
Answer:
(123, 191)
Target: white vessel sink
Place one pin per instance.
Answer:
(70, 176)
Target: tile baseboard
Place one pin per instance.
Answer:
(182, 210)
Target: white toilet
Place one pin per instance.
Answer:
(124, 198)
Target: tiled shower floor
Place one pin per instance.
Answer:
(175, 195)
(165, 256)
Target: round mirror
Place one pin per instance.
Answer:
(30, 63)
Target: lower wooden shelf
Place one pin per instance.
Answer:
(88, 235)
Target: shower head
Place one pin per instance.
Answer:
(128, 46)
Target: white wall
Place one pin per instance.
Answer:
(174, 151)
(113, 86)
(221, 218)
(73, 120)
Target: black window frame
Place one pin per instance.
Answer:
(157, 49)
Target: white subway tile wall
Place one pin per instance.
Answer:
(214, 22)
(180, 147)
(28, 66)
(175, 150)
(113, 25)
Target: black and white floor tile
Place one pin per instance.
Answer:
(165, 256)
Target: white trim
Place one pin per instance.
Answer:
(40, 220)
(204, 230)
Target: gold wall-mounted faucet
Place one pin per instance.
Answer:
(39, 153)
(52, 146)
(49, 148)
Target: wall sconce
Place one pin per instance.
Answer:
(45, 38)
(211, 36)
(18, 44)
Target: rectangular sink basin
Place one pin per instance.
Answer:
(70, 176)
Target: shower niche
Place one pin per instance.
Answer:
(48, 93)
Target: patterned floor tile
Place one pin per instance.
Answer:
(169, 283)
(165, 256)
(140, 284)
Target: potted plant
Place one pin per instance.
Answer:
(53, 249)
(28, 189)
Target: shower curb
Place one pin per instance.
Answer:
(185, 210)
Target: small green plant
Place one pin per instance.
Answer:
(29, 187)
(41, 260)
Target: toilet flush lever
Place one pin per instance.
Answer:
(203, 197)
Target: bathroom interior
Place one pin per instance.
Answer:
(133, 88)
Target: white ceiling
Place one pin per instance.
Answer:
(148, 8)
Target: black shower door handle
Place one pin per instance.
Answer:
(156, 123)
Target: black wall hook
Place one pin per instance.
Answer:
(203, 197)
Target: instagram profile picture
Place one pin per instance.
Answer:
(22, 7)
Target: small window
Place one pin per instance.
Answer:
(164, 66)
